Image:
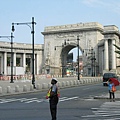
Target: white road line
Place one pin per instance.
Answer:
(107, 109)
(10, 100)
(68, 99)
(63, 98)
(28, 99)
(86, 88)
(34, 101)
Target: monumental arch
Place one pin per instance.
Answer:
(93, 36)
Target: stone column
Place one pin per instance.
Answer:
(24, 61)
(113, 55)
(106, 60)
(5, 63)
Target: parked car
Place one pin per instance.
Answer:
(106, 77)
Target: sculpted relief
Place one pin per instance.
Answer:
(68, 36)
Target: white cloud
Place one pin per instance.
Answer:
(111, 5)
(91, 3)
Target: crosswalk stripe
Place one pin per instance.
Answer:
(10, 100)
(28, 99)
(107, 109)
(31, 100)
(35, 101)
(68, 99)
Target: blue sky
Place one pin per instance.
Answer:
(54, 12)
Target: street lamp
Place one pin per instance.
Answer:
(78, 57)
(32, 32)
(11, 54)
(93, 62)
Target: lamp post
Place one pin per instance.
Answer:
(32, 32)
(94, 73)
(11, 81)
(78, 57)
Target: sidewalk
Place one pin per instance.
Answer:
(106, 96)
(24, 86)
(7, 88)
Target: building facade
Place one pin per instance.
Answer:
(22, 58)
(96, 43)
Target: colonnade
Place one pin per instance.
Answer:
(5, 69)
(106, 55)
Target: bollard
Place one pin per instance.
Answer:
(67, 83)
(31, 88)
(63, 84)
(38, 87)
(75, 82)
(71, 83)
(24, 88)
(59, 84)
(16, 88)
(8, 89)
(0, 90)
(49, 85)
(86, 81)
(44, 86)
(78, 82)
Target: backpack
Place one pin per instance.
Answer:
(113, 88)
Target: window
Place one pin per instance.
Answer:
(18, 62)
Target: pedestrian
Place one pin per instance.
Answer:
(111, 91)
(53, 95)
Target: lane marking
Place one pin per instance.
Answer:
(31, 100)
(35, 101)
(28, 99)
(86, 88)
(107, 110)
(68, 99)
(10, 100)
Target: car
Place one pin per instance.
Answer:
(106, 77)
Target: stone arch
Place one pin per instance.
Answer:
(93, 36)
(63, 55)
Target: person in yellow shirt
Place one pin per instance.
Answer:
(53, 95)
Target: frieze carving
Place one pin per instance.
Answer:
(71, 36)
(64, 35)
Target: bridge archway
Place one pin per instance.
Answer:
(94, 41)
(65, 63)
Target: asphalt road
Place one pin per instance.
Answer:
(75, 103)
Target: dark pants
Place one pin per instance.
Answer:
(53, 107)
(111, 94)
